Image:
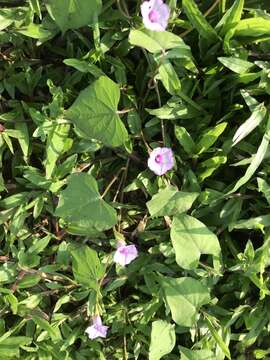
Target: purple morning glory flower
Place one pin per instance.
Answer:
(97, 329)
(161, 160)
(125, 253)
(155, 15)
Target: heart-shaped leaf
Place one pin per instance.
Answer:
(73, 14)
(94, 113)
(170, 201)
(191, 238)
(184, 296)
(81, 204)
(165, 331)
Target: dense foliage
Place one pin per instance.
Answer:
(87, 92)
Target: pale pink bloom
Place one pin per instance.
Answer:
(155, 15)
(125, 253)
(161, 160)
(97, 329)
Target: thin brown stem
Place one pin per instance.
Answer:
(149, 150)
(123, 9)
(124, 111)
(125, 354)
(212, 7)
(163, 132)
(124, 5)
(123, 181)
(153, 84)
(111, 183)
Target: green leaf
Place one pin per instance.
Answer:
(57, 143)
(218, 339)
(81, 204)
(174, 110)
(188, 230)
(134, 122)
(170, 201)
(29, 281)
(6, 18)
(258, 320)
(154, 41)
(198, 21)
(261, 354)
(86, 266)
(187, 354)
(35, 6)
(28, 260)
(237, 65)
(169, 78)
(31, 302)
(165, 331)
(61, 301)
(184, 296)
(264, 187)
(13, 301)
(251, 102)
(38, 207)
(37, 31)
(231, 17)
(210, 137)
(15, 200)
(23, 137)
(8, 142)
(10, 347)
(252, 27)
(85, 67)
(53, 332)
(94, 113)
(185, 140)
(39, 244)
(250, 124)
(8, 273)
(255, 162)
(211, 165)
(73, 14)
(257, 222)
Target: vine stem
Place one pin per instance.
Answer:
(223, 6)
(123, 9)
(163, 132)
(112, 182)
(155, 86)
(122, 185)
(124, 111)
(149, 150)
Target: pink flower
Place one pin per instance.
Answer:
(161, 160)
(97, 329)
(125, 253)
(155, 15)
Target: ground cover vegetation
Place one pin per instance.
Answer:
(135, 189)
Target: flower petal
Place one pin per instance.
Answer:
(146, 7)
(103, 330)
(131, 254)
(92, 332)
(167, 163)
(164, 12)
(97, 320)
(125, 254)
(154, 26)
(119, 258)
